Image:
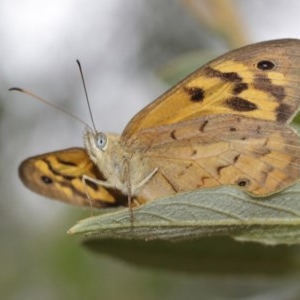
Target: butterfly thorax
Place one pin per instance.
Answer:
(117, 165)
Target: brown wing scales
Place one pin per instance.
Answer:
(260, 157)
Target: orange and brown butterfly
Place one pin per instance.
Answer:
(225, 124)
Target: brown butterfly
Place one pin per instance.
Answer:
(225, 124)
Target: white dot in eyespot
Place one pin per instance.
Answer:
(101, 140)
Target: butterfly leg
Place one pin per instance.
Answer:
(128, 187)
(136, 187)
(96, 181)
(146, 179)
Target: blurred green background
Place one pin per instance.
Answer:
(128, 49)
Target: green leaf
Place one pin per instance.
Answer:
(224, 211)
(210, 255)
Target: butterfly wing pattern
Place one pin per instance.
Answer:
(58, 175)
(225, 124)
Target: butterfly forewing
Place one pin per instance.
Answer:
(58, 175)
(259, 81)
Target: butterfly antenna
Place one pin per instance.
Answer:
(49, 104)
(86, 94)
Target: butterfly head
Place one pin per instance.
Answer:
(96, 143)
(100, 146)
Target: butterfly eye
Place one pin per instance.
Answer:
(46, 179)
(101, 140)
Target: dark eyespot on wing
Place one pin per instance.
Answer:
(243, 182)
(266, 65)
(240, 104)
(46, 179)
